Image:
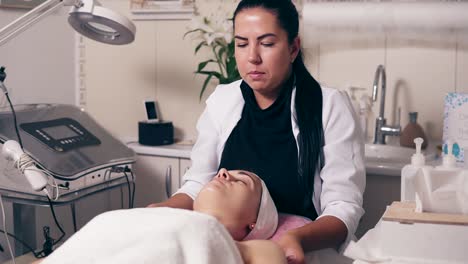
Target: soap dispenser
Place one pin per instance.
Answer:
(418, 162)
(448, 159)
(411, 131)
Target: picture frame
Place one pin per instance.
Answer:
(162, 9)
(25, 4)
(156, 4)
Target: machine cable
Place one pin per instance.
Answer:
(30, 249)
(56, 222)
(5, 91)
(132, 199)
(22, 164)
(5, 228)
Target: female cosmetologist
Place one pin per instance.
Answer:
(279, 123)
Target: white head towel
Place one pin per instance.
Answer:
(267, 219)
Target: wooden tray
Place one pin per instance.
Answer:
(404, 212)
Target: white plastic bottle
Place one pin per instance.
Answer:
(440, 190)
(418, 162)
(449, 162)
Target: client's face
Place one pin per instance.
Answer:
(233, 197)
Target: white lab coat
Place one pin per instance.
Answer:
(338, 187)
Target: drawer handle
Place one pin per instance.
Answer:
(168, 181)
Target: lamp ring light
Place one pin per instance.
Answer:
(102, 24)
(87, 17)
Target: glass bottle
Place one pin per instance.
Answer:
(411, 131)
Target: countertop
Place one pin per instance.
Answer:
(178, 150)
(183, 150)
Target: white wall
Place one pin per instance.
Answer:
(40, 66)
(160, 64)
(40, 62)
(418, 76)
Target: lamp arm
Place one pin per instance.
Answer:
(31, 17)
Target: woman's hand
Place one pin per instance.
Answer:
(291, 245)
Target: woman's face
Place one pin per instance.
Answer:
(233, 197)
(263, 54)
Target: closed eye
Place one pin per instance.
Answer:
(241, 182)
(246, 178)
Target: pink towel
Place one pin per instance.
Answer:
(287, 222)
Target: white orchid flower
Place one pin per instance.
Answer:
(217, 33)
(228, 37)
(199, 23)
(227, 26)
(209, 38)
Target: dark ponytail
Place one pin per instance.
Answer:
(308, 101)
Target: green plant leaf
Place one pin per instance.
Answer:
(203, 64)
(231, 66)
(205, 83)
(201, 44)
(221, 51)
(215, 74)
(230, 49)
(192, 31)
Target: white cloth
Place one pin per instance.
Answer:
(267, 218)
(149, 235)
(371, 248)
(338, 187)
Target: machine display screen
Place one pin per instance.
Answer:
(59, 132)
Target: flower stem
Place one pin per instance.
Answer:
(222, 67)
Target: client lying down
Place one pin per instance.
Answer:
(234, 206)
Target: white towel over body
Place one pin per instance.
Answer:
(149, 235)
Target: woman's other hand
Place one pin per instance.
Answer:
(291, 245)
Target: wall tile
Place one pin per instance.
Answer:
(119, 79)
(344, 64)
(178, 88)
(462, 68)
(312, 59)
(418, 77)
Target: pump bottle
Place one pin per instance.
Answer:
(418, 162)
(448, 160)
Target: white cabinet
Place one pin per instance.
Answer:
(159, 172)
(184, 165)
(156, 179)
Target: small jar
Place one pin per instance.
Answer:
(412, 131)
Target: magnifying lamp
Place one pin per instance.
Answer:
(86, 16)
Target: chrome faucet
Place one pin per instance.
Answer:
(381, 129)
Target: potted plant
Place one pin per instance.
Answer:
(219, 39)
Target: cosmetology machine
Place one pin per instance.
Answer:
(67, 145)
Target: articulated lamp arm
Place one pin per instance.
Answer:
(30, 18)
(86, 17)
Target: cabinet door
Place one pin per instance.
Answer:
(156, 179)
(184, 166)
